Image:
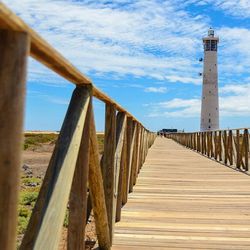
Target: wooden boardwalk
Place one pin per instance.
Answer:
(183, 200)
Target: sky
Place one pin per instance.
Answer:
(144, 54)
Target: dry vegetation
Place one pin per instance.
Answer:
(37, 152)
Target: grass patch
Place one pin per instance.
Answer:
(27, 181)
(31, 140)
(100, 139)
(30, 186)
(28, 197)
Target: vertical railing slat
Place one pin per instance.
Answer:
(49, 211)
(121, 121)
(78, 194)
(108, 163)
(14, 50)
(97, 190)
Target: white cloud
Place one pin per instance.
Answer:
(236, 89)
(235, 104)
(139, 38)
(156, 90)
(236, 8)
(155, 39)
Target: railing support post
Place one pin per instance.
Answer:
(78, 194)
(49, 211)
(108, 163)
(14, 49)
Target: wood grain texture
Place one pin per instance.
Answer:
(131, 149)
(134, 159)
(14, 49)
(108, 163)
(97, 190)
(187, 202)
(127, 165)
(49, 211)
(230, 147)
(120, 158)
(78, 194)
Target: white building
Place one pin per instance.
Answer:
(210, 99)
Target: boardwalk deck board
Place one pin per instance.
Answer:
(183, 200)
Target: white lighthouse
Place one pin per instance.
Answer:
(210, 99)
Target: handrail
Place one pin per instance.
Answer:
(43, 52)
(230, 147)
(75, 176)
(233, 129)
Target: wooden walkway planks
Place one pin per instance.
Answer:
(183, 200)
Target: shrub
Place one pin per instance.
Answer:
(29, 180)
(22, 224)
(28, 198)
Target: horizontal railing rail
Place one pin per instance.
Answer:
(75, 175)
(230, 147)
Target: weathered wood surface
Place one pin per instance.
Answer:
(49, 211)
(78, 194)
(119, 160)
(97, 190)
(108, 163)
(14, 48)
(231, 147)
(183, 200)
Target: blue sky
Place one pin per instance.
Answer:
(144, 54)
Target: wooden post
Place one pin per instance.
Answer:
(238, 155)
(126, 161)
(122, 176)
(108, 163)
(220, 146)
(138, 152)
(202, 142)
(97, 191)
(78, 194)
(211, 144)
(246, 148)
(198, 142)
(49, 211)
(14, 49)
(120, 137)
(130, 147)
(215, 145)
(134, 159)
(225, 146)
(230, 147)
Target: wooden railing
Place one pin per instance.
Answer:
(230, 147)
(75, 165)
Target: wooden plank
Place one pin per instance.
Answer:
(97, 190)
(14, 49)
(195, 203)
(120, 159)
(108, 163)
(49, 211)
(78, 194)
